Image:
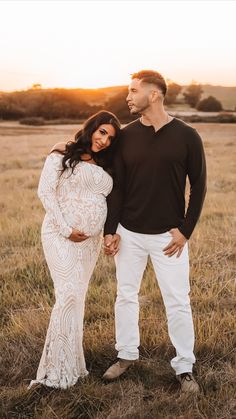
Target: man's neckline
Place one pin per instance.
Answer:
(151, 126)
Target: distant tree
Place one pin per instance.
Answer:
(173, 91)
(10, 110)
(36, 86)
(118, 105)
(192, 94)
(210, 104)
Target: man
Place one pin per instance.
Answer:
(147, 209)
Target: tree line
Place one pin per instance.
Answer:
(51, 104)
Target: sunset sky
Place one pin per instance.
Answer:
(100, 43)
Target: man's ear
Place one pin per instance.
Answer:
(155, 96)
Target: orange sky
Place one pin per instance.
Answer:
(100, 43)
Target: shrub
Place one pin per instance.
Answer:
(33, 120)
(192, 94)
(210, 104)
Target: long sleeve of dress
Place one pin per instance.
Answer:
(47, 192)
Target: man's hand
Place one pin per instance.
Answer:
(77, 236)
(111, 244)
(177, 243)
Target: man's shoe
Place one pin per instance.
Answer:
(188, 383)
(117, 369)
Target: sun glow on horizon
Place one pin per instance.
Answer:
(97, 44)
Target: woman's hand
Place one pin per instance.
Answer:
(111, 244)
(77, 236)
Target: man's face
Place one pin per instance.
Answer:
(139, 96)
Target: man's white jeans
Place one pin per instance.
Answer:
(173, 278)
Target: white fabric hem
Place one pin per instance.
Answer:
(48, 383)
(183, 369)
(128, 356)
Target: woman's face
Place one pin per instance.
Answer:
(102, 137)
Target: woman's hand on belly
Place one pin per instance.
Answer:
(77, 236)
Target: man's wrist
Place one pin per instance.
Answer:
(182, 231)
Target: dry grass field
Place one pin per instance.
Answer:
(150, 390)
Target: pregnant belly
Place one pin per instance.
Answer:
(87, 215)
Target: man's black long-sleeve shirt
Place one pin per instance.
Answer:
(150, 170)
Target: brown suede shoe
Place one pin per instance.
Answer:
(188, 383)
(117, 369)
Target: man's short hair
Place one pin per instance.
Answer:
(150, 76)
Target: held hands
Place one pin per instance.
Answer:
(111, 244)
(177, 243)
(77, 236)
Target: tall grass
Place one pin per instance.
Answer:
(149, 390)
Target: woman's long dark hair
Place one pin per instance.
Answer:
(83, 142)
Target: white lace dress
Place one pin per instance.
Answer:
(71, 200)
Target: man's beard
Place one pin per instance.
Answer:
(134, 112)
(138, 111)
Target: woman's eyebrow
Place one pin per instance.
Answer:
(103, 129)
(111, 136)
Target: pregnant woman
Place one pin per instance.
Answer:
(73, 186)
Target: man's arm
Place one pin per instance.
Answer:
(114, 206)
(116, 197)
(196, 170)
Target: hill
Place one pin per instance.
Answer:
(226, 95)
(78, 104)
